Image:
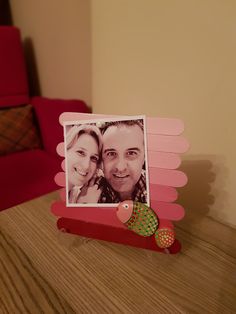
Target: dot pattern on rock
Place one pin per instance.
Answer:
(164, 237)
(143, 220)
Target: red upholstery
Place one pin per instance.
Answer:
(26, 175)
(48, 112)
(13, 79)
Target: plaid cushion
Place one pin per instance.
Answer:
(18, 130)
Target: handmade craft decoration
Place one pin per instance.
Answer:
(148, 226)
(142, 220)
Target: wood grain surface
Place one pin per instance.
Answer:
(45, 271)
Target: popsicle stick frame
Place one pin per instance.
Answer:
(164, 144)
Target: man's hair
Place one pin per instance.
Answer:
(138, 122)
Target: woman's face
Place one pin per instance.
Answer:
(82, 160)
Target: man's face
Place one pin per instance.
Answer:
(123, 156)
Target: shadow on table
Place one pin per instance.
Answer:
(227, 274)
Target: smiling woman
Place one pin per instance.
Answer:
(83, 148)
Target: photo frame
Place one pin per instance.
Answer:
(164, 146)
(99, 176)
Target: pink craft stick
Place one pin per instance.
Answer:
(155, 158)
(62, 193)
(164, 126)
(167, 177)
(168, 211)
(157, 192)
(156, 143)
(77, 116)
(61, 149)
(63, 165)
(60, 179)
(163, 193)
(163, 160)
(169, 144)
(99, 215)
(159, 176)
(107, 215)
(154, 125)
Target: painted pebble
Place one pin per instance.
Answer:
(138, 217)
(164, 237)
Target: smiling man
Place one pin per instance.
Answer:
(123, 158)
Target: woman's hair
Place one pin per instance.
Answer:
(77, 130)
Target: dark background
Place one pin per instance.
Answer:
(5, 13)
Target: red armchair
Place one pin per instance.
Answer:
(28, 173)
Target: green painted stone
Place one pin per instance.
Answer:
(143, 221)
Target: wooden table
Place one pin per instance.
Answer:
(45, 271)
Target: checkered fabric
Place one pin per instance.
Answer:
(18, 130)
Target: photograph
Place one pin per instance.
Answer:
(106, 162)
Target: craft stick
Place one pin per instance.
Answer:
(107, 215)
(112, 234)
(154, 125)
(168, 144)
(158, 192)
(63, 165)
(163, 160)
(167, 177)
(163, 193)
(99, 215)
(60, 179)
(158, 176)
(62, 193)
(61, 149)
(155, 158)
(155, 143)
(169, 211)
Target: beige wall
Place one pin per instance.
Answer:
(175, 59)
(60, 34)
(160, 58)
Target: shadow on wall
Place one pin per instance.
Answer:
(205, 192)
(31, 66)
(196, 196)
(204, 195)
